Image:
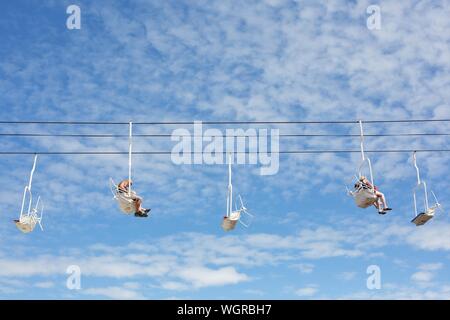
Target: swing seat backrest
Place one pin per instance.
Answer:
(246, 219)
(431, 211)
(422, 186)
(235, 215)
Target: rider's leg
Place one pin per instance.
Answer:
(141, 209)
(137, 204)
(377, 204)
(381, 198)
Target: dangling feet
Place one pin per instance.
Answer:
(143, 213)
(384, 211)
(140, 215)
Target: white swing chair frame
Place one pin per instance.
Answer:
(32, 215)
(420, 218)
(124, 199)
(364, 197)
(232, 217)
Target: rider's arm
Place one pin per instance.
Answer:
(367, 182)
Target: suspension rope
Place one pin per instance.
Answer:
(164, 135)
(219, 152)
(221, 122)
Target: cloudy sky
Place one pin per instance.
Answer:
(216, 61)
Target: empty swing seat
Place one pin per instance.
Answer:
(424, 217)
(26, 224)
(229, 223)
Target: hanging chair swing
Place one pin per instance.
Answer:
(29, 215)
(427, 212)
(233, 216)
(363, 194)
(126, 199)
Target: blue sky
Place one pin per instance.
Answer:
(223, 60)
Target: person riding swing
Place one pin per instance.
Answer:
(381, 203)
(123, 188)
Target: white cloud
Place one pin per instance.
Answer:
(426, 273)
(204, 277)
(172, 262)
(422, 276)
(173, 285)
(194, 260)
(401, 292)
(347, 276)
(117, 293)
(431, 266)
(45, 284)
(254, 292)
(132, 285)
(8, 289)
(308, 291)
(431, 238)
(304, 267)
